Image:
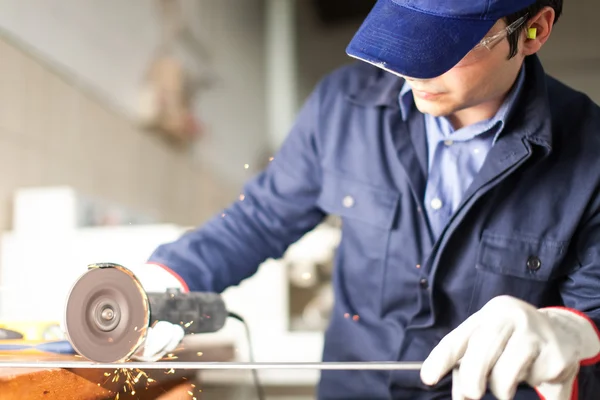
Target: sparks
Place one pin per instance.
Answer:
(131, 377)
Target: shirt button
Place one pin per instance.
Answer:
(436, 204)
(448, 142)
(348, 201)
(424, 283)
(534, 263)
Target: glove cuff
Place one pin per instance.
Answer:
(158, 278)
(584, 326)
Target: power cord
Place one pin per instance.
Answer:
(259, 390)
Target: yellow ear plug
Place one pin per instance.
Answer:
(531, 33)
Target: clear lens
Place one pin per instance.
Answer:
(486, 44)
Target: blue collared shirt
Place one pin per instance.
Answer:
(455, 156)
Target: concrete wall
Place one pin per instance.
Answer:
(573, 54)
(107, 46)
(54, 133)
(320, 48)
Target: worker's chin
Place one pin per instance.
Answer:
(433, 107)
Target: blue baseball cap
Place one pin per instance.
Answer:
(426, 38)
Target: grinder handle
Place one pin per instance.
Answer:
(196, 312)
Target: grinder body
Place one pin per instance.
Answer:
(108, 313)
(196, 312)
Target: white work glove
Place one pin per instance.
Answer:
(164, 337)
(508, 342)
(161, 339)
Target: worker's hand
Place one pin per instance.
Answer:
(508, 342)
(157, 278)
(161, 339)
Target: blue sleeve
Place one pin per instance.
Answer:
(278, 207)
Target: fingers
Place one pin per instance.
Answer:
(448, 352)
(177, 334)
(484, 348)
(162, 338)
(556, 391)
(513, 365)
(457, 392)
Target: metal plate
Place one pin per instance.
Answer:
(107, 314)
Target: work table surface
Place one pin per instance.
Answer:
(101, 384)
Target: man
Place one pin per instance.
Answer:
(468, 184)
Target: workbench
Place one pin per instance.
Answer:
(98, 384)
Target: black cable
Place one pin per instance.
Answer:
(259, 389)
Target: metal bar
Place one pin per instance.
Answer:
(412, 366)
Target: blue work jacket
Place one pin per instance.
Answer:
(528, 226)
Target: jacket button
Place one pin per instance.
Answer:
(424, 284)
(534, 263)
(348, 201)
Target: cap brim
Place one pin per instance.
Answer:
(412, 43)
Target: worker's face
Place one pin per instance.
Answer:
(479, 82)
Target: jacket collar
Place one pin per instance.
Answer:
(382, 89)
(531, 117)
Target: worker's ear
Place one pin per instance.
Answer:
(537, 31)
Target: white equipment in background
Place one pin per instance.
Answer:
(43, 257)
(59, 209)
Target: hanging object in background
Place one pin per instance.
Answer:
(164, 104)
(175, 77)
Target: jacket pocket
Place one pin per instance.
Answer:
(368, 214)
(358, 201)
(519, 265)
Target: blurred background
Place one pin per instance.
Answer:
(125, 123)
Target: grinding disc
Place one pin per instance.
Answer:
(107, 314)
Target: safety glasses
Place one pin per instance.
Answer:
(487, 43)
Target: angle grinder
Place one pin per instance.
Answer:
(108, 313)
